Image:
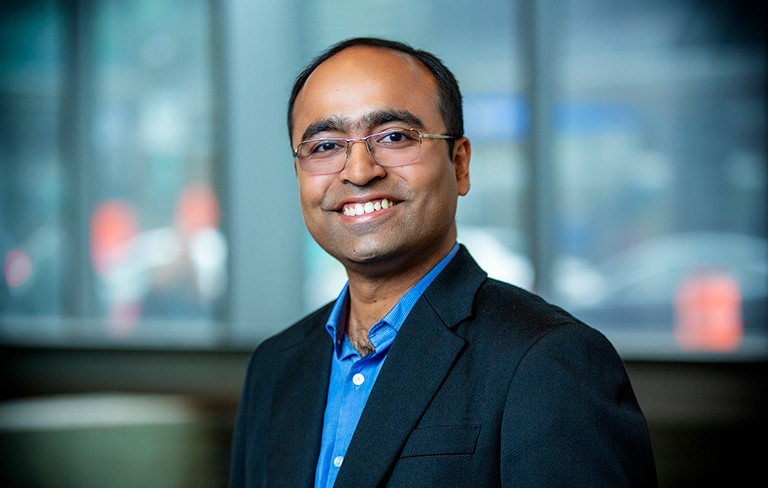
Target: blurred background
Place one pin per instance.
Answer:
(150, 233)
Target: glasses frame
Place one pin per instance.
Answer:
(352, 140)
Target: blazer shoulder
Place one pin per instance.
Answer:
(498, 297)
(313, 323)
(508, 311)
(264, 361)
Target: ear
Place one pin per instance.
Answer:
(462, 150)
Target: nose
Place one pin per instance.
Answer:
(360, 167)
(352, 142)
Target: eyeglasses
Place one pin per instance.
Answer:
(392, 147)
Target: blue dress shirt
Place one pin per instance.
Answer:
(353, 377)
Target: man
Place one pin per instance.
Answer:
(424, 372)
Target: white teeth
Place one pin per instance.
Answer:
(366, 208)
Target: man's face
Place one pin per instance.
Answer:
(357, 92)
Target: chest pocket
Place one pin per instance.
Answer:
(441, 440)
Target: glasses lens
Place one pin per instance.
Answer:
(322, 155)
(396, 147)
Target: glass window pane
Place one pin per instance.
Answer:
(111, 222)
(157, 252)
(31, 167)
(661, 173)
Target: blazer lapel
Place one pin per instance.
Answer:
(298, 407)
(421, 356)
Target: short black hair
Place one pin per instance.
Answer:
(449, 93)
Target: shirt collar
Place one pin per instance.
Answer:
(394, 319)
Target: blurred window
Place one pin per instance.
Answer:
(618, 166)
(111, 220)
(660, 167)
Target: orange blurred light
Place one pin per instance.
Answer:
(197, 209)
(113, 224)
(708, 313)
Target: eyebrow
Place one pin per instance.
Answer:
(338, 123)
(334, 123)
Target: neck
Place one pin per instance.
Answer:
(371, 297)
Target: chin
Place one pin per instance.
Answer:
(365, 255)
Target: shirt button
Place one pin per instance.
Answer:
(337, 461)
(358, 379)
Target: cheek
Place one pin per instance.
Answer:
(312, 189)
(443, 186)
(313, 195)
(445, 195)
(310, 210)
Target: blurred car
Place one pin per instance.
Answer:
(666, 288)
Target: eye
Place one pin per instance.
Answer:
(324, 147)
(396, 137)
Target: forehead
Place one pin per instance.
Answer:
(362, 80)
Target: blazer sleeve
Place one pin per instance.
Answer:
(247, 447)
(571, 417)
(239, 436)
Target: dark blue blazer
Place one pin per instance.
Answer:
(486, 385)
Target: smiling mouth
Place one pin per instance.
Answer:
(361, 208)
